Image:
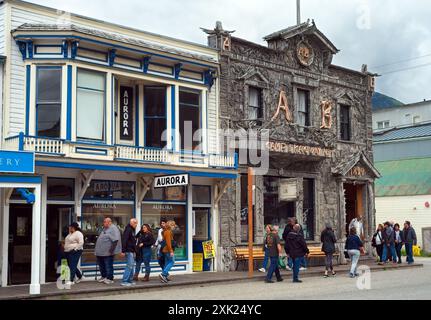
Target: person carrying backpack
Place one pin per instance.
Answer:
(328, 240)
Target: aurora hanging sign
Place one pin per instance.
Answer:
(171, 181)
(126, 113)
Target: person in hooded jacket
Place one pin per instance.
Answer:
(296, 249)
(328, 240)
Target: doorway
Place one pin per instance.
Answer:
(19, 253)
(201, 233)
(354, 200)
(58, 219)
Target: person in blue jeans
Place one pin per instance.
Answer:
(410, 240)
(388, 244)
(296, 249)
(108, 245)
(129, 251)
(145, 242)
(265, 250)
(273, 244)
(354, 247)
(168, 250)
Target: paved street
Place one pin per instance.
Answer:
(390, 285)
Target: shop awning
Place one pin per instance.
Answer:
(404, 177)
(220, 174)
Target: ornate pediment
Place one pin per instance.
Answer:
(253, 75)
(356, 166)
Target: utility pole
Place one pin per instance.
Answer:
(298, 12)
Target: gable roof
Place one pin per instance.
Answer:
(407, 177)
(410, 132)
(345, 166)
(113, 37)
(303, 28)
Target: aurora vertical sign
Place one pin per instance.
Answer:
(126, 113)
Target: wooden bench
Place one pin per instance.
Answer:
(242, 255)
(316, 252)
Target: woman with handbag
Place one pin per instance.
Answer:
(328, 240)
(354, 247)
(143, 251)
(167, 248)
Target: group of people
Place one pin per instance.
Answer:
(135, 247)
(294, 245)
(389, 240)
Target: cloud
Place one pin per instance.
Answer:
(374, 32)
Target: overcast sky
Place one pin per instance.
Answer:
(375, 32)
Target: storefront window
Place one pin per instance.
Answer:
(110, 190)
(60, 189)
(202, 194)
(276, 212)
(166, 194)
(152, 213)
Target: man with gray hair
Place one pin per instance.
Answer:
(108, 244)
(129, 251)
(296, 249)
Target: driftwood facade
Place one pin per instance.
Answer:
(320, 126)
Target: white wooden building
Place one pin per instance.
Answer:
(92, 100)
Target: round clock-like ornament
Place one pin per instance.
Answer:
(305, 54)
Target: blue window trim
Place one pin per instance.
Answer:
(38, 68)
(69, 104)
(146, 118)
(27, 105)
(83, 166)
(21, 179)
(61, 53)
(103, 140)
(114, 96)
(59, 178)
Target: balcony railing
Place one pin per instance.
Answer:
(84, 150)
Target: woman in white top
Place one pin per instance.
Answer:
(73, 247)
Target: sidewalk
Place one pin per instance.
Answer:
(91, 288)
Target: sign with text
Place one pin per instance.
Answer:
(16, 162)
(171, 181)
(209, 249)
(126, 113)
(287, 190)
(198, 262)
(282, 147)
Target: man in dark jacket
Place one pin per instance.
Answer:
(410, 240)
(296, 249)
(288, 229)
(128, 251)
(388, 243)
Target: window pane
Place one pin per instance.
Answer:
(253, 113)
(154, 129)
(90, 114)
(202, 194)
(308, 215)
(189, 97)
(152, 213)
(112, 190)
(254, 97)
(302, 101)
(189, 124)
(92, 224)
(49, 85)
(91, 80)
(155, 102)
(48, 120)
(61, 189)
